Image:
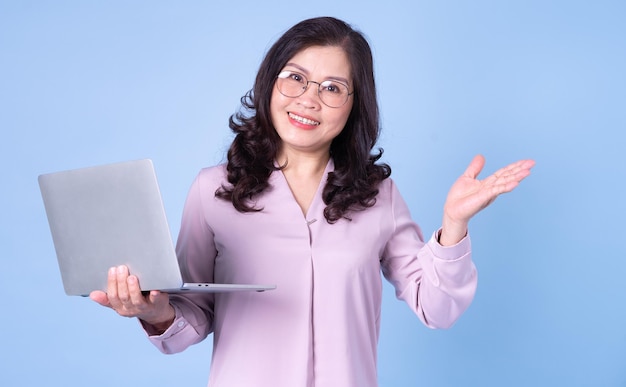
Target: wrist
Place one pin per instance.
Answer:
(452, 232)
(161, 323)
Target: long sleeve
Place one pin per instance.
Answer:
(196, 254)
(438, 283)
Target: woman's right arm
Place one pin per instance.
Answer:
(173, 322)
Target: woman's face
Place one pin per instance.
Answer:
(305, 124)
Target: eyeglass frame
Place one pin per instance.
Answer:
(319, 86)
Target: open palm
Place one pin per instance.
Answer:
(469, 195)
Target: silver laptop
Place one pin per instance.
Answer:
(112, 215)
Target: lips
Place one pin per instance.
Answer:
(303, 120)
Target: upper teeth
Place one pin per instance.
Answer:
(303, 120)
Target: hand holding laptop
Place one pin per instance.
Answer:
(124, 295)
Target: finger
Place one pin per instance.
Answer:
(506, 176)
(522, 166)
(100, 297)
(507, 181)
(527, 164)
(475, 166)
(158, 298)
(112, 288)
(122, 286)
(513, 172)
(134, 291)
(504, 187)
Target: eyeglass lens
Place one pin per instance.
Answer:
(293, 84)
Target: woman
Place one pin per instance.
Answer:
(302, 203)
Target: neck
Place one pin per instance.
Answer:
(304, 173)
(303, 164)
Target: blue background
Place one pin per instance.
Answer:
(85, 83)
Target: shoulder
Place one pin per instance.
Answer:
(216, 172)
(387, 190)
(208, 180)
(210, 177)
(390, 198)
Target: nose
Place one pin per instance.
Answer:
(310, 98)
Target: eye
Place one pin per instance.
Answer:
(296, 77)
(333, 87)
(292, 76)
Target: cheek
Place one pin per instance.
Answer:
(274, 106)
(344, 114)
(277, 100)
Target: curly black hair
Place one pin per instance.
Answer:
(353, 185)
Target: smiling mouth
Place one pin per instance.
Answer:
(303, 120)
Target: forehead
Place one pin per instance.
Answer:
(322, 62)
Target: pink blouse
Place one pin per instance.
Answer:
(320, 326)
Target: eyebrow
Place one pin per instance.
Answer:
(302, 69)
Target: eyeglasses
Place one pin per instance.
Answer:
(333, 94)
